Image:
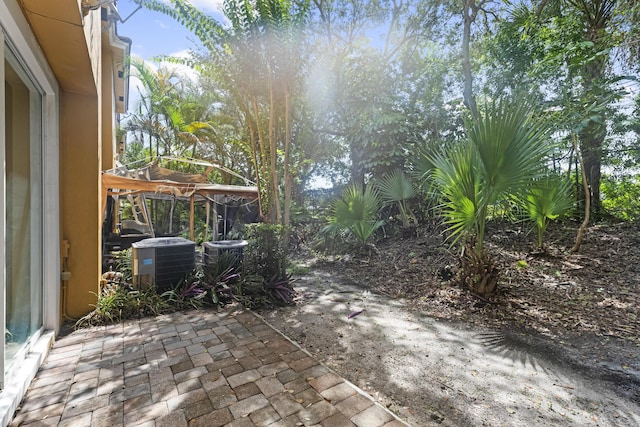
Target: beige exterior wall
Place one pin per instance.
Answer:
(108, 112)
(73, 63)
(80, 161)
(85, 60)
(80, 133)
(92, 30)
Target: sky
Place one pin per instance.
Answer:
(156, 34)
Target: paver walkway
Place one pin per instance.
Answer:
(201, 368)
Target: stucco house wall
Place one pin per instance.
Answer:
(69, 54)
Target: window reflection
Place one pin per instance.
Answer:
(23, 232)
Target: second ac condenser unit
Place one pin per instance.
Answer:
(163, 261)
(213, 251)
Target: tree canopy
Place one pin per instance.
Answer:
(290, 91)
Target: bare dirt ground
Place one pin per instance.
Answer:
(558, 345)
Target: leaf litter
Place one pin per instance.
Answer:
(574, 312)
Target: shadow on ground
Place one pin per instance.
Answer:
(438, 373)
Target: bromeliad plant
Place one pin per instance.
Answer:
(255, 291)
(209, 283)
(503, 153)
(280, 289)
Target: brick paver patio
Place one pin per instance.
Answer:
(201, 368)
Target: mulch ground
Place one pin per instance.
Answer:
(588, 302)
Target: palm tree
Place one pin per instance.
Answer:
(355, 213)
(149, 121)
(257, 61)
(504, 152)
(181, 119)
(395, 187)
(546, 200)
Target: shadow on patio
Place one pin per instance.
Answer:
(200, 368)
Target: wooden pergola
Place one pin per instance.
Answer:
(153, 179)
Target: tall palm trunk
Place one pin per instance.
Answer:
(264, 172)
(254, 158)
(593, 135)
(469, 14)
(273, 148)
(597, 16)
(288, 179)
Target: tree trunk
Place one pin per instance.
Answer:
(585, 222)
(598, 15)
(262, 150)
(273, 149)
(591, 141)
(288, 179)
(263, 160)
(357, 171)
(478, 273)
(254, 157)
(469, 14)
(288, 186)
(593, 135)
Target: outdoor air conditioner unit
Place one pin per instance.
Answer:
(163, 262)
(213, 250)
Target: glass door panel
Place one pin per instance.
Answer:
(23, 201)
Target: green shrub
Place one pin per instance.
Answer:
(119, 301)
(355, 214)
(265, 280)
(266, 253)
(547, 199)
(621, 197)
(397, 189)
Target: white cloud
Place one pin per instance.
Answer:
(184, 53)
(181, 69)
(161, 24)
(208, 5)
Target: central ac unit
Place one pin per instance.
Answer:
(213, 251)
(162, 261)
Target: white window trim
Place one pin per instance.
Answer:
(3, 219)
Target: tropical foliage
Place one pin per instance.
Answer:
(355, 214)
(370, 96)
(547, 199)
(622, 197)
(396, 189)
(505, 151)
(255, 62)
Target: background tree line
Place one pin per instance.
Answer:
(443, 97)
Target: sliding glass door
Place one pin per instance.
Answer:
(23, 222)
